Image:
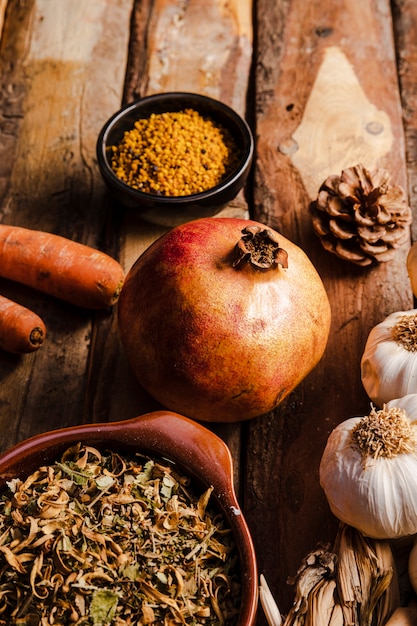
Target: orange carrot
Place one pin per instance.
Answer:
(60, 267)
(21, 330)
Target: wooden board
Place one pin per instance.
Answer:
(60, 82)
(405, 30)
(220, 38)
(319, 85)
(326, 82)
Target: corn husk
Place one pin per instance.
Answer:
(354, 584)
(316, 598)
(270, 607)
(367, 580)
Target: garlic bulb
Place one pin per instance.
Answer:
(368, 471)
(412, 567)
(409, 404)
(412, 267)
(389, 360)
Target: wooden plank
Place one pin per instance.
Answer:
(405, 28)
(326, 82)
(60, 82)
(202, 46)
(53, 80)
(3, 5)
(53, 184)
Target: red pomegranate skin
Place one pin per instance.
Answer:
(215, 342)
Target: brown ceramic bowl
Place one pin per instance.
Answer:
(198, 452)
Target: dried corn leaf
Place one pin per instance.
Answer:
(390, 599)
(354, 584)
(270, 608)
(324, 607)
(316, 569)
(366, 577)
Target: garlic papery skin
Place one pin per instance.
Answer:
(409, 404)
(368, 472)
(389, 359)
(411, 264)
(412, 566)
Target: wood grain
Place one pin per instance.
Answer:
(326, 76)
(3, 4)
(405, 29)
(60, 82)
(319, 83)
(203, 47)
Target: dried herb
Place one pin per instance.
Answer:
(100, 538)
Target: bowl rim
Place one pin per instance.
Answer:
(166, 434)
(224, 184)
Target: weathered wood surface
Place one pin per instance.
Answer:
(58, 84)
(326, 80)
(405, 29)
(315, 80)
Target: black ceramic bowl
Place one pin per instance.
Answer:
(173, 210)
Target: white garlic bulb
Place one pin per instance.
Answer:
(412, 267)
(389, 359)
(368, 470)
(409, 404)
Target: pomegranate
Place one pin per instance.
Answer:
(221, 318)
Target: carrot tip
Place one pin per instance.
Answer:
(117, 292)
(36, 337)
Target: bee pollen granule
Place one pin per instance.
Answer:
(174, 154)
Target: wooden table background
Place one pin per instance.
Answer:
(313, 79)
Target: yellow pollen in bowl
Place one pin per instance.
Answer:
(174, 154)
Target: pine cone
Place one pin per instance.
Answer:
(361, 217)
